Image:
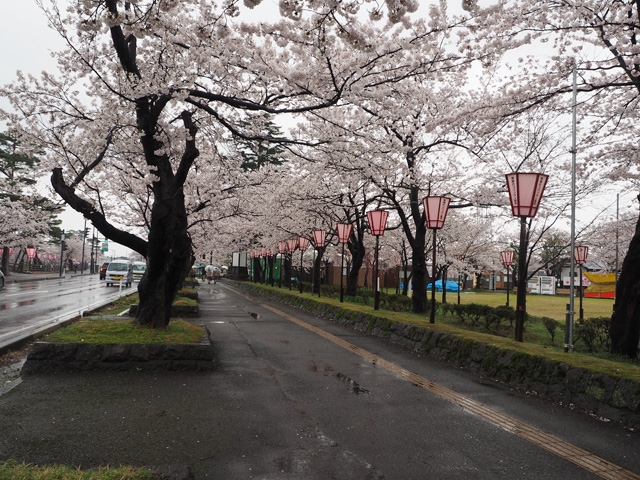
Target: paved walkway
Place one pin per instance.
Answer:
(286, 403)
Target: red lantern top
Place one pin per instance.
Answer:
(435, 210)
(507, 257)
(282, 247)
(291, 244)
(31, 252)
(377, 221)
(344, 232)
(319, 238)
(580, 254)
(303, 243)
(525, 192)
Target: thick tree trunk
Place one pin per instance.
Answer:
(625, 322)
(419, 268)
(317, 270)
(357, 258)
(169, 260)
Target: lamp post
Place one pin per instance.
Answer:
(303, 243)
(507, 260)
(377, 224)
(525, 193)
(319, 239)
(435, 212)
(291, 246)
(344, 232)
(282, 248)
(580, 254)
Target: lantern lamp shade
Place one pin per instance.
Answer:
(507, 257)
(525, 192)
(263, 251)
(435, 211)
(282, 247)
(319, 238)
(303, 243)
(377, 221)
(31, 252)
(344, 232)
(291, 244)
(580, 254)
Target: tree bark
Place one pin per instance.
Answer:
(357, 257)
(625, 322)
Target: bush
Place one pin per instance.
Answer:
(551, 325)
(594, 332)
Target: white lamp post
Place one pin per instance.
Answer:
(377, 224)
(580, 254)
(319, 240)
(525, 193)
(435, 211)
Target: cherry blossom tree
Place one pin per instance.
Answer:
(149, 88)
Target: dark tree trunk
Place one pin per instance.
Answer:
(625, 322)
(357, 257)
(317, 270)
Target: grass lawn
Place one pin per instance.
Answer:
(13, 471)
(104, 331)
(537, 305)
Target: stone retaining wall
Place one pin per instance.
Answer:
(45, 357)
(614, 398)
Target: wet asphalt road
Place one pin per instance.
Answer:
(30, 304)
(286, 403)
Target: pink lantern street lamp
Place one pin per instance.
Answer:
(507, 261)
(525, 193)
(319, 240)
(344, 232)
(377, 224)
(435, 212)
(303, 243)
(31, 252)
(580, 254)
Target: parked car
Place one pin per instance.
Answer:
(103, 270)
(119, 271)
(138, 270)
(1, 280)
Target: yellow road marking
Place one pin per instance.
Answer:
(590, 462)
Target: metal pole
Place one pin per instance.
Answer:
(521, 298)
(507, 285)
(341, 275)
(432, 313)
(84, 240)
(580, 287)
(376, 302)
(62, 253)
(568, 335)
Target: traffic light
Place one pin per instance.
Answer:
(64, 246)
(86, 233)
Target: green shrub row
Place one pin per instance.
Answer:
(474, 314)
